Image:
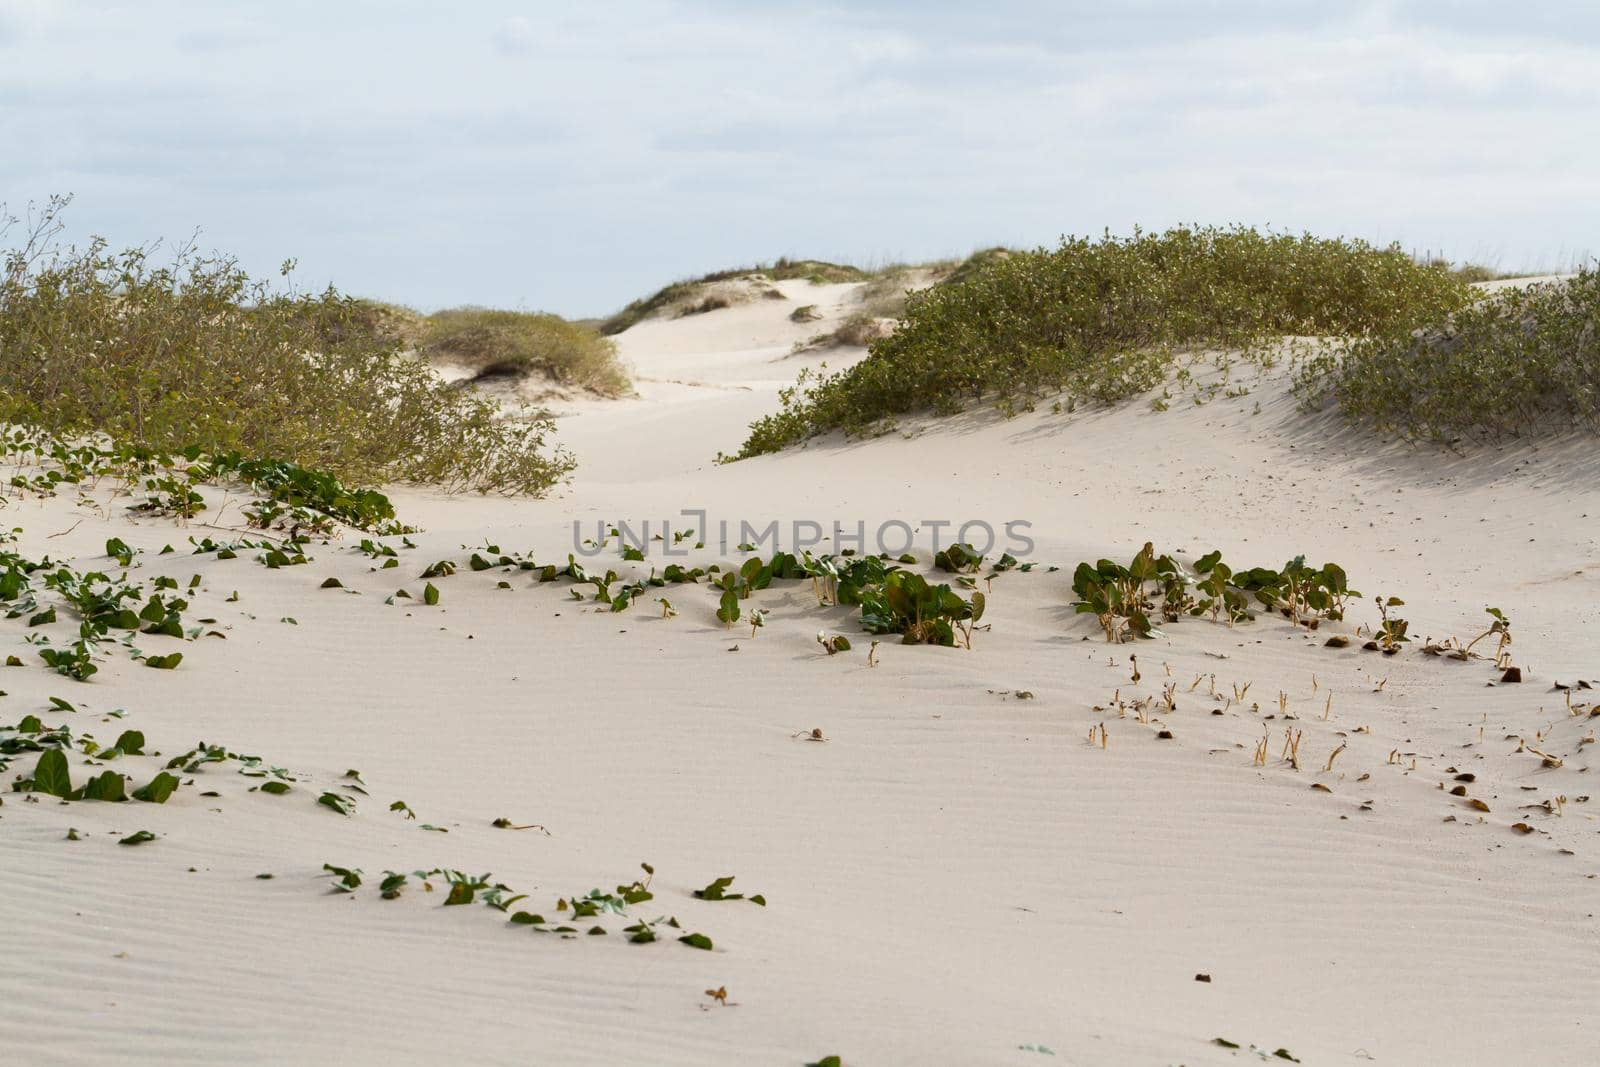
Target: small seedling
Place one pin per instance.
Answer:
(833, 645)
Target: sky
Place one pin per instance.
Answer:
(571, 157)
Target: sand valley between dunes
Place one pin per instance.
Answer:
(957, 874)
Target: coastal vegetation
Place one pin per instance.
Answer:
(1099, 321)
(194, 353)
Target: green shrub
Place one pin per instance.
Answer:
(1100, 321)
(975, 263)
(1520, 362)
(495, 344)
(197, 354)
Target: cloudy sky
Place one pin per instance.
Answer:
(570, 157)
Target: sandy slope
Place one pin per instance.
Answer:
(955, 874)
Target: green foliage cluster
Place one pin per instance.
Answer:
(922, 613)
(892, 600)
(1520, 363)
(197, 353)
(1129, 601)
(520, 344)
(101, 602)
(1100, 321)
(295, 490)
(52, 777)
(467, 888)
(293, 495)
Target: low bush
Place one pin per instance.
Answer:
(1100, 321)
(1518, 363)
(499, 344)
(1128, 601)
(197, 354)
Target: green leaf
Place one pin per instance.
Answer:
(347, 879)
(164, 663)
(277, 789)
(50, 774)
(131, 742)
(1224, 1042)
(728, 612)
(108, 785)
(696, 941)
(331, 583)
(527, 918)
(340, 804)
(827, 1061)
(160, 788)
(430, 594)
(718, 890)
(138, 838)
(460, 893)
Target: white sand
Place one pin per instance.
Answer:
(954, 874)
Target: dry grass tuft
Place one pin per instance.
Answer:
(496, 344)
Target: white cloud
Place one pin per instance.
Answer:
(654, 137)
(514, 36)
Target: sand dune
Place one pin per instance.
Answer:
(956, 875)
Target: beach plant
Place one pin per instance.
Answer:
(1522, 362)
(1128, 600)
(208, 357)
(1098, 321)
(906, 604)
(53, 777)
(75, 661)
(1391, 632)
(718, 890)
(958, 559)
(833, 644)
(495, 344)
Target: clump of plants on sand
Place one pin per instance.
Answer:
(892, 600)
(194, 352)
(1519, 363)
(462, 888)
(1129, 601)
(496, 344)
(52, 774)
(923, 614)
(1100, 321)
(292, 494)
(102, 603)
